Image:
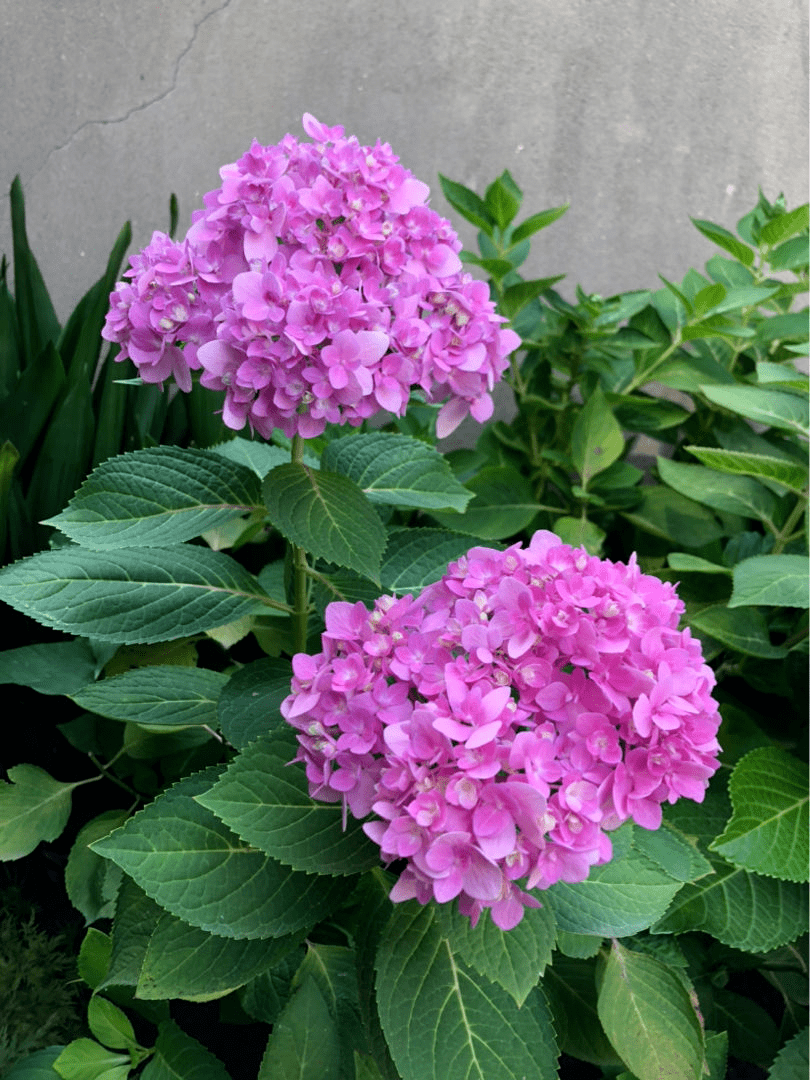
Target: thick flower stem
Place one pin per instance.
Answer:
(300, 613)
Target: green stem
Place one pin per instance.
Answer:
(785, 534)
(300, 611)
(646, 376)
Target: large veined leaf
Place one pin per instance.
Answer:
(136, 916)
(596, 441)
(87, 1058)
(418, 557)
(791, 474)
(333, 968)
(720, 491)
(136, 596)
(182, 961)
(740, 909)
(745, 631)
(160, 495)
(194, 866)
(33, 807)
(179, 1057)
(249, 702)
(666, 513)
(768, 831)
(452, 1023)
(255, 453)
(305, 1042)
(772, 581)
(396, 470)
(503, 505)
(792, 1060)
(514, 959)
(163, 696)
(266, 801)
(327, 515)
(571, 988)
(92, 882)
(772, 407)
(52, 667)
(650, 1018)
(620, 898)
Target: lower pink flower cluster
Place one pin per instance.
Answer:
(502, 723)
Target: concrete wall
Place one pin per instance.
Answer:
(639, 113)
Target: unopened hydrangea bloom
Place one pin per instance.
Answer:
(499, 726)
(316, 286)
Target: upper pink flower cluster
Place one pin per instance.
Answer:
(316, 286)
(501, 724)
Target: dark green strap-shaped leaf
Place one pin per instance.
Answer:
(24, 412)
(166, 696)
(266, 801)
(37, 319)
(650, 1017)
(768, 831)
(396, 470)
(10, 352)
(452, 1024)
(160, 495)
(327, 515)
(8, 462)
(772, 581)
(194, 866)
(179, 1057)
(135, 596)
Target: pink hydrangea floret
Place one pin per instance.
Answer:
(498, 727)
(315, 287)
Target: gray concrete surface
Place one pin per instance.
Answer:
(639, 113)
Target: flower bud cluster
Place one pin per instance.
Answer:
(499, 726)
(315, 287)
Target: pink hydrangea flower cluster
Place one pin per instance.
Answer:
(499, 726)
(315, 287)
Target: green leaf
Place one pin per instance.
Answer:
(502, 200)
(25, 411)
(744, 296)
(690, 372)
(772, 581)
(514, 959)
(136, 916)
(780, 228)
(327, 515)
(792, 255)
(503, 505)
(92, 882)
(94, 957)
(617, 899)
(720, 491)
(109, 1024)
(266, 801)
(791, 474)
(164, 696)
(771, 407)
(744, 631)
(249, 702)
(256, 455)
(179, 1057)
(517, 296)
(740, 909)
(33, 807)
(333, 968)
(668, 514)
(182, 961)
(305, 1042)
(265, 996)
(597, 440)
(396, 470)
(752, 1034)
(471, 206)
(580, 533)
(650, 1018)
(160, 495)
(37, 318)
(417, 557)
(131, 596)
(453, 1025)
(537, 222)
(792, 1060)
(693, 564)
(84, 1059)
(646, 414)
(768, 831)
(577, 946)
(726, 240)
(571, 988)
(36, 1066)
(670, 850)
(237, 891)
(55, 667)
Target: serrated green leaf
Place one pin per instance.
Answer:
(327, 515)
(780, 228)
(33, 807)
(396, 470)
(503, 505)
(237, 891)
(744, 631)
(792, 475)
(469, 205)
(182, 961)
(454, 1025)
(249, 702)
(668, 514)
(92, 882)
(257, 455)
(109, 1024)
(84, 1059)
(768, 830)
(264, 997)
(744, 296)
(179, 1057)
(772, 581)
(772, 407)
(740, 909)
(617, 899)
(333, 968)
(305, 1042)
(649, 1017)
(133, 596)
(792, 1060)
(417, 557)
(160, 495)
(726, 240)
(54, 667)
(136, 916)
(514, 959)
(165, 696)
(266, 801)
(670, 850)
(597, 440)
(537, 222)
(720, 491)
(571, 988)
